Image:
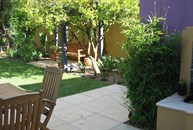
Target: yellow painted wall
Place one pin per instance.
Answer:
(186, 55)
(113, 42)
(168, 119)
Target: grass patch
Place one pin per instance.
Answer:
(30, 77)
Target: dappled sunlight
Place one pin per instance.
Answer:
(13, 68)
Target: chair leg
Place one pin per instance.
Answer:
(42, 127)
(48, 117)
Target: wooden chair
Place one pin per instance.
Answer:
(50, 85)
(22, 112)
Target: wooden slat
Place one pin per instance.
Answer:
(6, 117)
(18, 114)
(21, 112)
(24, 115)
(12, 116)
(50, 84)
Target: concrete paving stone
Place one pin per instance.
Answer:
(77, 99)
(119, 113)
(116, 88)
(55, 121)
(65, 127)
(95, 122)
(98, 93)
(125, 127)
(72, 113)
(99, 109)
(61, 104)
(118, 97)
(99, 105)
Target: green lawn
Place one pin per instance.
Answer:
(30, 77)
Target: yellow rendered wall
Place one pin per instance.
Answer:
(168, 119)
(113, 42)
(186, 55)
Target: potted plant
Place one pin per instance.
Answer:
(182, 88)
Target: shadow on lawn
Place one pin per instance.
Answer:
(12, 68)
(71, 86)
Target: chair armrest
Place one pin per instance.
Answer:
(47, 101)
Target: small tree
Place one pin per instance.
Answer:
(90, 16)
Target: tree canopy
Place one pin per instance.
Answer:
(87, 17)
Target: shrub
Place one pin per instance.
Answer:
(27, 52)
(151, 69)
(10, 52)
(107, 64)
(150, 75)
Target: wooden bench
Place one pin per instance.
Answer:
(74, 51)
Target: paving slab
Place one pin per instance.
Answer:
(95, 122)
(116, 113)
(125, 127)
(99, 109)
(72, 113)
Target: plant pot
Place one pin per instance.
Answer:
(87, 61)
(182, 89)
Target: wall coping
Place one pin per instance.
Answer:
(175, 102)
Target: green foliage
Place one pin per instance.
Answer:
(6, 7)
(151, 70)
(27, 52)
(140, 34)
(52, 13)
(88, 17)
(10, 52)
(107, 64)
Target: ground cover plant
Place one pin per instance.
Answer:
(29, 77)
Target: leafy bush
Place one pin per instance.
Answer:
(107, 64)
(150, 75)
(28, 53)
(151, 69)
(10, 52)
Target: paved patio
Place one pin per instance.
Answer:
(99, 109)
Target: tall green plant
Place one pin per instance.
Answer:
(151, 69)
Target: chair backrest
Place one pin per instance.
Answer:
(22, 112)
(51, 83)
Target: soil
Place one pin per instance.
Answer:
(113, 77)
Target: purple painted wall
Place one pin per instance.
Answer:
(180, 13)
